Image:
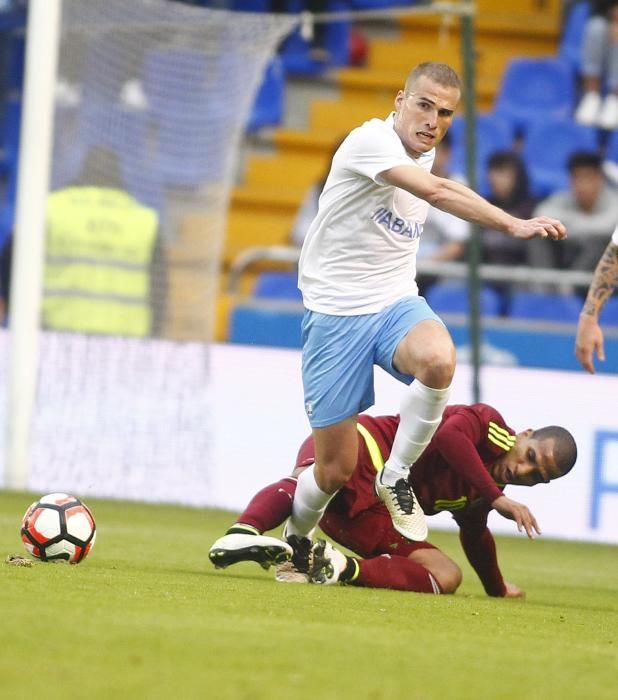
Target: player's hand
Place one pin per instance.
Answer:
(588, 341)
(541, 226)
(519, 513)
(513, 591)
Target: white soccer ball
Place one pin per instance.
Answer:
(58, 527)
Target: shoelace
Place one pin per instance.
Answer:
(403, 496)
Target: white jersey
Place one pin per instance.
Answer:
(615, 236)
(359, 255)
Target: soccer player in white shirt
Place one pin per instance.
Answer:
(589, 339)
(357, 276)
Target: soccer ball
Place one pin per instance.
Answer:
(58, 527)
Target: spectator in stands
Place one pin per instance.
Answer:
(589, 209)
(600, 67)
(102, 255)
(509, 190)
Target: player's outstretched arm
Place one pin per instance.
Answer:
(480, 549)
(519, 513)
(457, 199)
(589, 338)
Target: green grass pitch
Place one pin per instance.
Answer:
(147, 616)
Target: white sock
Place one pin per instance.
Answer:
(309, 504)
(420, 414)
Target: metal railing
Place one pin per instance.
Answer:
(533, 277)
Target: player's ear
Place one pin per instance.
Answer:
(401, 96)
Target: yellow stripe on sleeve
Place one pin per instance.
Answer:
(500, 437)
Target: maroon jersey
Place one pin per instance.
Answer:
(450, 475)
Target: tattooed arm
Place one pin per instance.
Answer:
(589, 334)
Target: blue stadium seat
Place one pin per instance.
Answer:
(611, 147)
(269, 102)
(452, 297)
(547, 148)
(534, 88)
(570, 48)
(249, 5)
(252, 325)
(545, 307)
(493, 133)
(296, 51)
(9, 135)
(277, 285)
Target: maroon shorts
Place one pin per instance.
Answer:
(368, 532)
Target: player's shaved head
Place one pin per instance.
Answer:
(565, 448)
(439, 73)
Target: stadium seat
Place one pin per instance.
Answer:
(493, 133)
(296, 51)
(611, 147)
(252, 325)
(572, 35)
(546, 150)
(9, 135)
(533, 89)
(453, 297)
(277, 285)
(249, 5)
(268, 107)
(545, 307)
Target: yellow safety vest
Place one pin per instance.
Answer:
(100, 243)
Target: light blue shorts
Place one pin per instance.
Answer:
(339, 353)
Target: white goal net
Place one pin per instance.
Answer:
(152, 97)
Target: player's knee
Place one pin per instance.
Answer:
(437, 367)
(449, 577)
(443, 569)
(332, 474)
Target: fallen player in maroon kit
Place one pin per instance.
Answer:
(471, 458)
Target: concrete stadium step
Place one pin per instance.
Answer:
(315, 141)
(492, 55)
(385, 83)
(530, 21)
(287, 170)
(341, 116)
(247, 228)
(265, 196)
